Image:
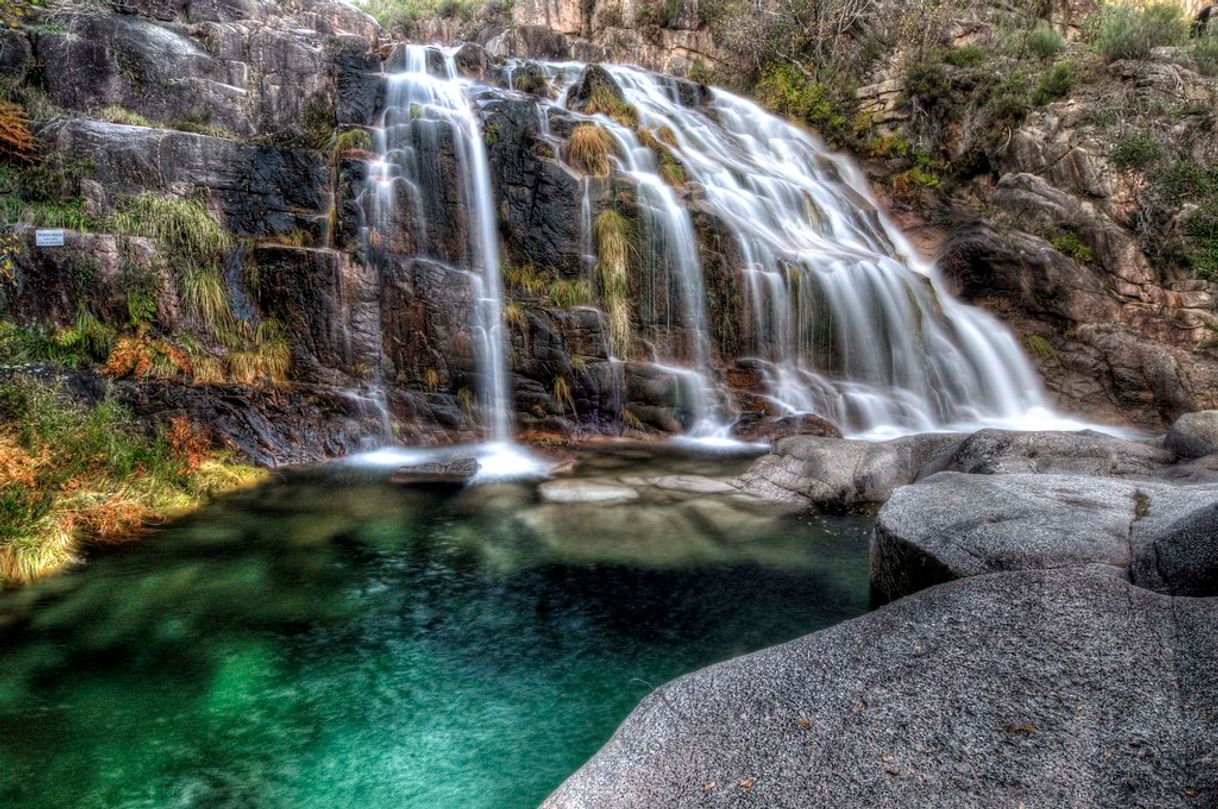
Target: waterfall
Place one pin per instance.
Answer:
(425, 102)
(847, 321)
(837, 314)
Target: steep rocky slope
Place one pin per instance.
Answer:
(211, 162)
(1069, 192)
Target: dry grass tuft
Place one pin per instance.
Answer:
(16, 141)
(613, 234)
(589, 149)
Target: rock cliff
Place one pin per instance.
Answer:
(212, 163)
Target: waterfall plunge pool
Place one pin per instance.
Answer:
(332, 640)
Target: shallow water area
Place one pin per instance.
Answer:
(331, 639)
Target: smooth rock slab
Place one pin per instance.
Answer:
(951, 526)
(1086, 452)
(1040, 688)
(836, 472)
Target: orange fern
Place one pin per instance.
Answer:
(16, 141)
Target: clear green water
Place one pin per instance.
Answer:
(331, 640)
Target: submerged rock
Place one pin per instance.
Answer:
(578, 490)
(459, 470)
(1051, 688)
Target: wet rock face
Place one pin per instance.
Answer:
(329, 307)
(539, 199)
(259, 190)
(930, 696)
(49, 285)
(1100, 352)
(760, 428)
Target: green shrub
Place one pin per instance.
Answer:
(928, 81)
(1054, 84)
(1134, 152)
(1045, 42)
(1009, 102)
(1122, 31)
(788, 91)
(970, 55)
(1203, 230)
(1205, 53)
(611, 16)
(1068, 243)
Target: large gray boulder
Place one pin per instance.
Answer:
(1038, 688)
(1086, 452)
(952, 526)
(1194, 435)
(1183, 559)
(838, 473)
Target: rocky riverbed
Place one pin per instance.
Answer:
(1050, 639)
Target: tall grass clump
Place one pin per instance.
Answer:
(194, 242)
(566, 293)
(589, 148)
(613, 234)
(85, 342)
(1122, 31)
(72, 473)
(1045, 42)
(604, 101)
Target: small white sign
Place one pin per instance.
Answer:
(48, 238)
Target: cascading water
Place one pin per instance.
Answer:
(426, 101)
(418, 104)
(849, 322)
(843, 317)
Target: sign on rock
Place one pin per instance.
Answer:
(48, 238)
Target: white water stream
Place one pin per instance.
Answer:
(845, 318)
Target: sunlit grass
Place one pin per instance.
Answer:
(72, 473)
